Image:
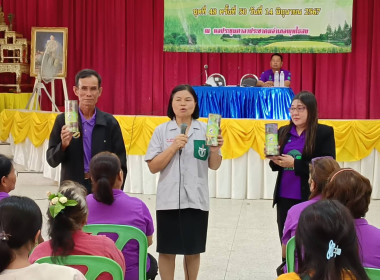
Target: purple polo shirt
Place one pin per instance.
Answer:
(369, 243)
(87, 128)
(290, 186)
(3, 195)
(293, 216)
(125, 210)
(268, 75)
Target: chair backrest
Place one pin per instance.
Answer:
(372, 273)
(95, 264)
(248, 80)
(216, 80)
(125, 233)
(290, 254)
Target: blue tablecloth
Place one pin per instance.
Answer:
(245, 102)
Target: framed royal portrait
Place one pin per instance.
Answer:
(48, 51)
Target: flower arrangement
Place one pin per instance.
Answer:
(58, 202)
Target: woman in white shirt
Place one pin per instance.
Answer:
(178, 151)
(20, 229)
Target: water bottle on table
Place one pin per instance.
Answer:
(282, 79)
(276, 79)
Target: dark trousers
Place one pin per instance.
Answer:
(283, 206)
(87, 184)
(153, 270)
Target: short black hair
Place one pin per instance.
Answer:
(195, 114)
(85, 73)
(276, 54)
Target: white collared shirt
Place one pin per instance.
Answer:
(194, 172)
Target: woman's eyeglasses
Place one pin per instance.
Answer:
(298, 109)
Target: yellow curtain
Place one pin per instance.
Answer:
(14, 100)
(355, 139)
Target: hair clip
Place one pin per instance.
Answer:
(333, 250)
(340, 171)
(58, 202)
(4, 236)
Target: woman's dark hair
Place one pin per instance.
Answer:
(69, 220)
(104, 169)
(350, 188)
(178, 88)
(320, 223)
(320, 171)
(5, 166)
(310, 102)
(20, 220)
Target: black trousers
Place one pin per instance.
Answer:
(153, 270)
(87, 184)
(283, 206)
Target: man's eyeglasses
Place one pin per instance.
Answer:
(298, 109)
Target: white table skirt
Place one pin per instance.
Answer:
(246, 177)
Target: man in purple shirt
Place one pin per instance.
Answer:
(267, 77)
(99, 131)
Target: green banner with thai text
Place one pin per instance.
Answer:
(258, 26)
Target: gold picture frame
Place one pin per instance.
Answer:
(49, 44)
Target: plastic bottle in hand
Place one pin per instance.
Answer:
(282, 81)
(276, 79)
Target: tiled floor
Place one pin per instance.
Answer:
(242, 238)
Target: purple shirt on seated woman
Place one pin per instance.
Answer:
(354, 191)
(108, 204)
(125, 210)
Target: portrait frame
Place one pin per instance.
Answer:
(40, 40)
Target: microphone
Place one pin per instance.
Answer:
(206, 67)
(183, 131)
(183, 128)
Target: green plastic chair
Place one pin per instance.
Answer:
(290, 253)
(95, 264)
(372, 273)
(125, 233)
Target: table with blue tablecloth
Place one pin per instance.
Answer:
(245, 102)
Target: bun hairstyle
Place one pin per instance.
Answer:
(104, 169)
(69, 220)
(20, 220)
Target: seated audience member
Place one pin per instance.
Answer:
(67, 215)
(108, 204)
(354, 191)
(326, 244)
(320, 170)
(20, 228)
(7, 176)
(267, 77)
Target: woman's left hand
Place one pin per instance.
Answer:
(214, 149)
(285, 161)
